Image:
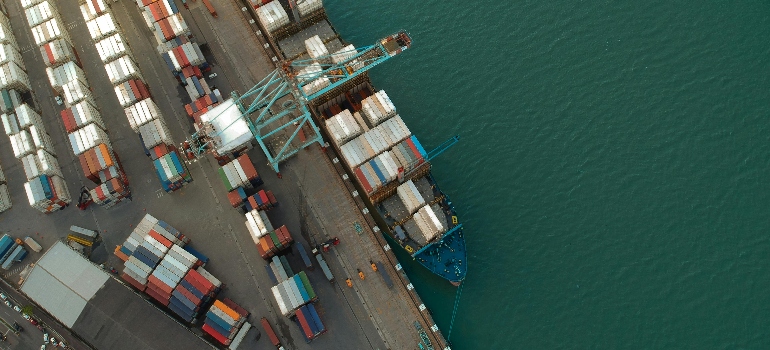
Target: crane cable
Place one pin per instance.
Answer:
(454, 312)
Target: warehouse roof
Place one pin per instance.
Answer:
(62, 282)
(101, 310)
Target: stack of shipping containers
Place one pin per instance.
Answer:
(5, 197)
(46, 189)
(159, 262)
(87, 132)
(295, 296)
(134, 96)
(226, 322)
(11, 250)
(182, 55)
(424, 217)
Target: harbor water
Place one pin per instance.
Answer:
(612, 173)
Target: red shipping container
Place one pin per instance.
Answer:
(133, 282)
(362, 180)
(147, 2)
(248, 167)
(270, 332)
(220, 338)
(135, 88)
(197, 72)
(49, 53)
(234, 198)
(271, 198)
(202, 280)
(237, 308)
(263, 197)
(165, 27)
(201, 288)
(253, 202)
(413, 148)
(303, 323)
(162, 240)
(155, 295)
(190, 296)
(156, 11)
(189, 110)
(159, 286)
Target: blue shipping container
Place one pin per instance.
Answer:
(301, 288)
(303, 254)
(219, 320)
(168, 61)
(190, 288)
(271, 274)
(419, 146)
(5, 244)
(183, 299)
(316, 318)
(217, 327)
(196, 254)
(313, 327)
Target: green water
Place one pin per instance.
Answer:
(612, 173)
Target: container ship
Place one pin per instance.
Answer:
(381, 154)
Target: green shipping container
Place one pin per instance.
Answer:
(274, 237)
(223, 176)
(306, 284)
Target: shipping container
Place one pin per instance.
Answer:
(142, 113)
(40, 13)
(12, 76)
(272, 16)
(92, 9)
(49, 31)
(155, 132)
(9, 100)
(270, 332)
(324, 267)
(122, 69)
(111, 47)
(101, 26)
(9, 53)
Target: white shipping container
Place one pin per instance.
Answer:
(29, 3)
(49, 31)
(141, 113)
(308, 6)
(85, 113)
(40, 13)
(40, 139)
(410, 196)
(155, 133)
(5, 198)
(178, 25)
(279, 299)
(9, 53)
(88, 137)
(312, 72)
(28, 117)
(101, 26)
(10, 123)
(272, 16)
(92, 9)
(2, 176)
(316, 49)
(6, 36)
(65, 73)
(21, 143)
(74, 92)
(12, 76)
(121, 69)
(111, 47)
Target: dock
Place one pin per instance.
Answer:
(317, 200)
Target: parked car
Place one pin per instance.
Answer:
(16, 308)
(8, 303)
(58, 100)
(45, 338)
(17, 327)
(3, 296)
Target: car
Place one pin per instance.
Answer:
(33, 322)
(45, 338)
(42, 347)
(17, 327)
(58, 100)
(212, 75)
(16, 308)
(62, 344)
(26, 317)
(8, 303)
(3, 296)
(53, 341)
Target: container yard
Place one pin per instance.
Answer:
(171, 68)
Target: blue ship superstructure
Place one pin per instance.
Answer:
(432, 234)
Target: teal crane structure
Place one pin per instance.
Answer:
(277, 106)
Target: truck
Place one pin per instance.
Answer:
(270, 333)
(324, 266)
(305, 258)
(33, 245)
(17, 254)
(83, 231)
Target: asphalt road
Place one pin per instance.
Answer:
(30, 337)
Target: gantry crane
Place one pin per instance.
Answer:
(278, 105)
